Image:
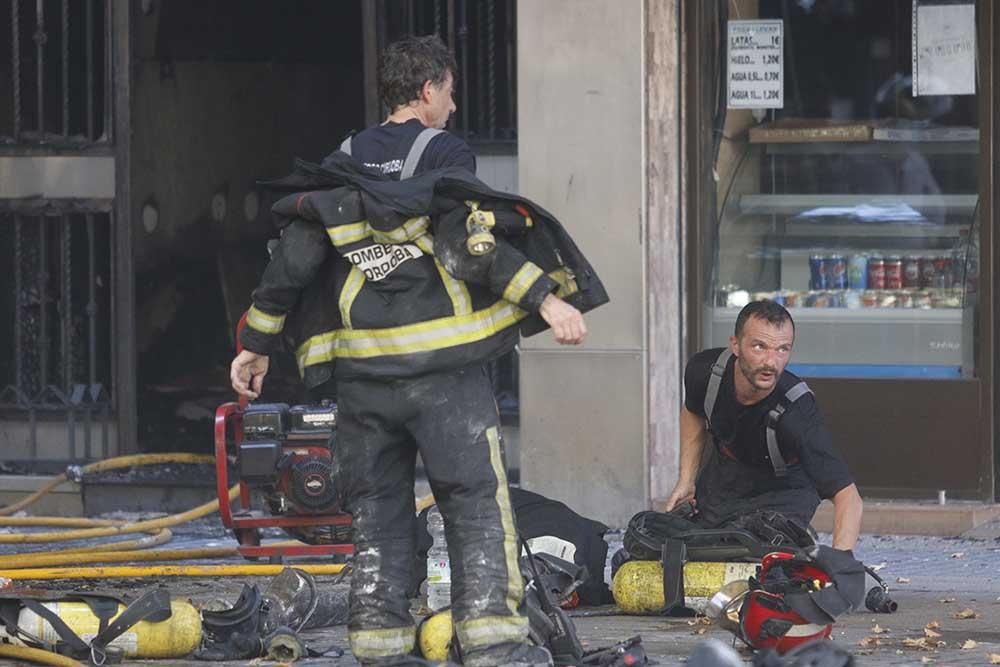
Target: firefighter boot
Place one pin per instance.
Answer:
(509, 655)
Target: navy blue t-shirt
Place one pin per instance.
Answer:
(384, 148)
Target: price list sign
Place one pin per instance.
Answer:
(756, 67)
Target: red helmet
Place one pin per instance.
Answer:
(766, 620)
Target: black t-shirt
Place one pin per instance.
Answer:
(384, 148)
(739, 476)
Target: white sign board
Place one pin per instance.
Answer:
(755, 65)
(944, 49)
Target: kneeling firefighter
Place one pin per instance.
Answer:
(401, 291)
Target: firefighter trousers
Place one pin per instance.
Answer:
(451, 419)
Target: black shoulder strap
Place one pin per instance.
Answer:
(417, 151)
(714, 382)
(773, 417)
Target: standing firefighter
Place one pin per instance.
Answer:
(407, 307)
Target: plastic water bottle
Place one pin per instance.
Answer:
(438, 565)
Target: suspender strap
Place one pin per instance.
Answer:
(345, 145)
(417, 150)
(73, 645)
(714, 382)
(773, 451)
(153, 605)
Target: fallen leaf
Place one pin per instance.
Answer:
(967, 613)
(899, 652)
(968, 645)
(923, 643)
(869, 642)
(876, 568)
(933, 625)
(947, 600)
(958, 554)
(902, 580)
(925, 660)
(879, 630)
(931, 633)
(994, 658)
(700, 631)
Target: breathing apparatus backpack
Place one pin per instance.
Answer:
(150, 627)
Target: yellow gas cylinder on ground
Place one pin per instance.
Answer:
(638, 584)
(435, 636)
(174, 637)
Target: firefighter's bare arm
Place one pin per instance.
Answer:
(847, 509)
(693, 437)
(247, 373)
(566, 321)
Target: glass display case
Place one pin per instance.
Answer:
(869, 240)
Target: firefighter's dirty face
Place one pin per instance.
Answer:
(438, 101)
(762, 352)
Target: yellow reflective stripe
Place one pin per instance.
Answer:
(489, 630)
(425, 243)
(260, 321)
(341, 235)
(461, 302)
(345, 234)
(352, 286)
(427, 336)
(382, 643)
(567, 282)
(408, 231)
(522, 282)
(423, 336)
(515, 584)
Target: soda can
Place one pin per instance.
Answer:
(911, 272)
(943, 272)
(876, 273)
(836, 272)
(928, 274)
(817, 272)
(857, 272)
(893, 273)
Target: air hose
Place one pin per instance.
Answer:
(167, 571)
(104, 530)
(36, 655)
(103, 466)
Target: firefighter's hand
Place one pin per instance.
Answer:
(247, 373)
(682, 493)
(566, 321)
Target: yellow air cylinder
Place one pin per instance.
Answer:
(435, 636)
(174, 637)
(638, 584)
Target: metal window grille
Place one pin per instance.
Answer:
(57, 74)
(58, 318)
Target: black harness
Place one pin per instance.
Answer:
(413, 157)
(773, 416)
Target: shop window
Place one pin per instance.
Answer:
(855, 201)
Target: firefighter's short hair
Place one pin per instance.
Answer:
(407, 64)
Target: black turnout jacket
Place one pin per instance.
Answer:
(372, 277)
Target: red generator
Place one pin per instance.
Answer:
(283, 454)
